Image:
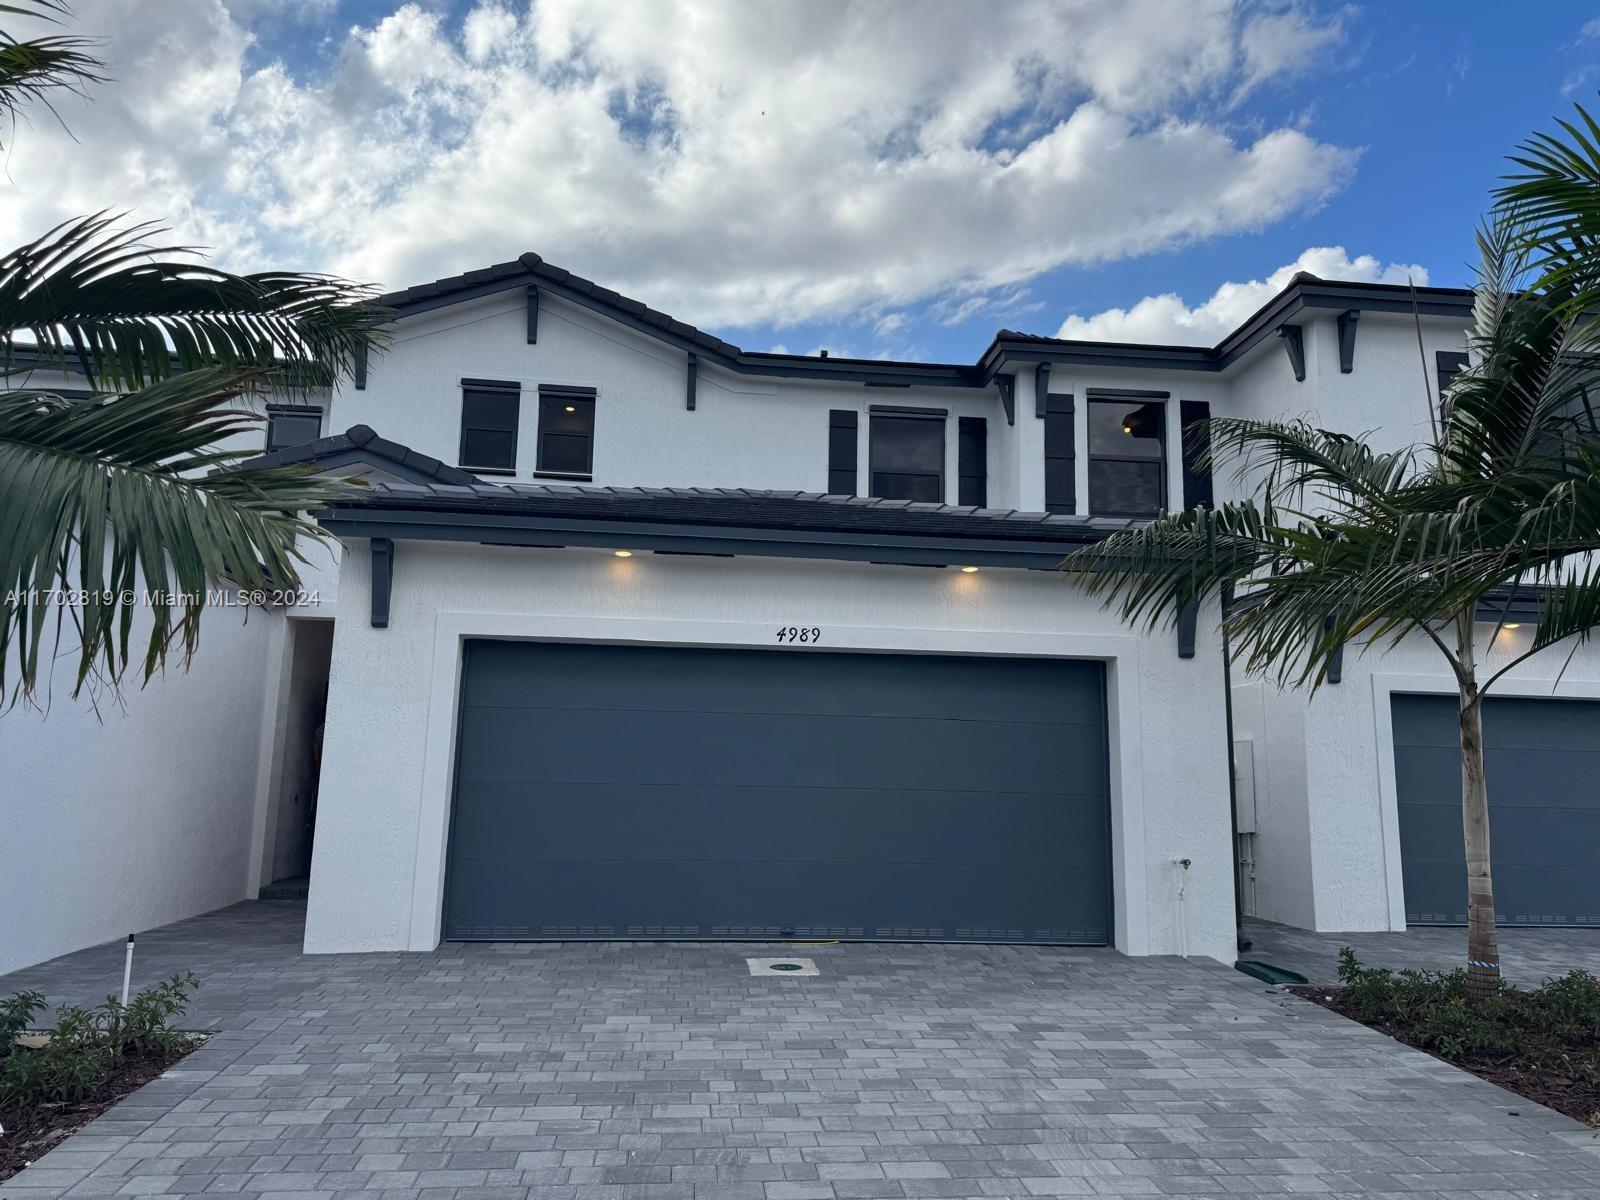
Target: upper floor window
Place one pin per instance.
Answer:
(292, 426)
(907, 454)
(489, 410)
(566, 431)
(1127, 457)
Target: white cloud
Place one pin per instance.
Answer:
(731, 163)
(1167, 320)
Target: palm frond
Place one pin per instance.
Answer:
(1555, 196)
(1297, 459)
(126, 500)
(97, 296)
(32, 70)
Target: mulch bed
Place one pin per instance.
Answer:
(1577, 1098)
(30, 1134)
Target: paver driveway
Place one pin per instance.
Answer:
(646, 1070)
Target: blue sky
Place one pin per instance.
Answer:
(833, 174)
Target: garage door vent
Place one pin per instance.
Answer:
(671, 931)
(488, 933)
(902, 931)
(765, 933)
(577, 931)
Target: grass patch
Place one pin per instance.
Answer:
(1542, 1043)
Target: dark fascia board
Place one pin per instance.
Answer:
(504, 277)
(1303, 292)
(520, 529)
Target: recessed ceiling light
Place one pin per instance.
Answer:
(623, 553)
(1513, 625)
(969, 570)
(571, 409)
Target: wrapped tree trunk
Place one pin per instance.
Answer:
(1483, 943)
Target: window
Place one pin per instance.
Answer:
(292, 426)
(489, 425)
(907, 453)
(1127, 459)
(566, 431)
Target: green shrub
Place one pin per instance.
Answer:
(144, 1026)
(67, 1067)
(16, 1015)
(85, 1044)
(1551, 1028)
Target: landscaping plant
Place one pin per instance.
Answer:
(1543, 1042)
(85, 1045)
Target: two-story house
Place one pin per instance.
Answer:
(636, 634)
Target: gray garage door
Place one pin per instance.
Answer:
(1543, 764)
(642, 792)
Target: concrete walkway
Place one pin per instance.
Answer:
(629, 1071)
(1528, 957)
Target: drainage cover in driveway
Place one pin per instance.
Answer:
(782, 966)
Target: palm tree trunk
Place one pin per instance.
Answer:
(1483, 944)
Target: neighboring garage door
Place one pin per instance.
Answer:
(1543, 764)
(660, 792)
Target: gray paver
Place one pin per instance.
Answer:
(635, 1071)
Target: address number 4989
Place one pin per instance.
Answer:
(802, 634)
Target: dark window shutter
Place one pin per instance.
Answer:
(842, 426)
(972, 461)
(1450, 363)
(1196, 441)
(1060, 486)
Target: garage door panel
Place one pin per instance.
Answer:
(1542, 760)
(537, 675)
(627, 746)
(712, 899)
(774, 824)
(1518, 778)
(674, 792)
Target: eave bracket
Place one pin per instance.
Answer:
(1347, 340)
(1295, 345)
(1008, 396)
(382, 580)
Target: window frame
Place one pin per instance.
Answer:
(504, 388)
(274, 411)
(1161, 461)
(558, 393)
(937, 417)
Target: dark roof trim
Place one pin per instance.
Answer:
(767, 524)
(360, 445)
(1304, 292)
(1009, 348)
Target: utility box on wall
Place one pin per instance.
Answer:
(1244, 785)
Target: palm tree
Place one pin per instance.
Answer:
(1343, 544)
(132, 498)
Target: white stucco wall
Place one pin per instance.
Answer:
(746, 431)
(377, 871)
(124, 820)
